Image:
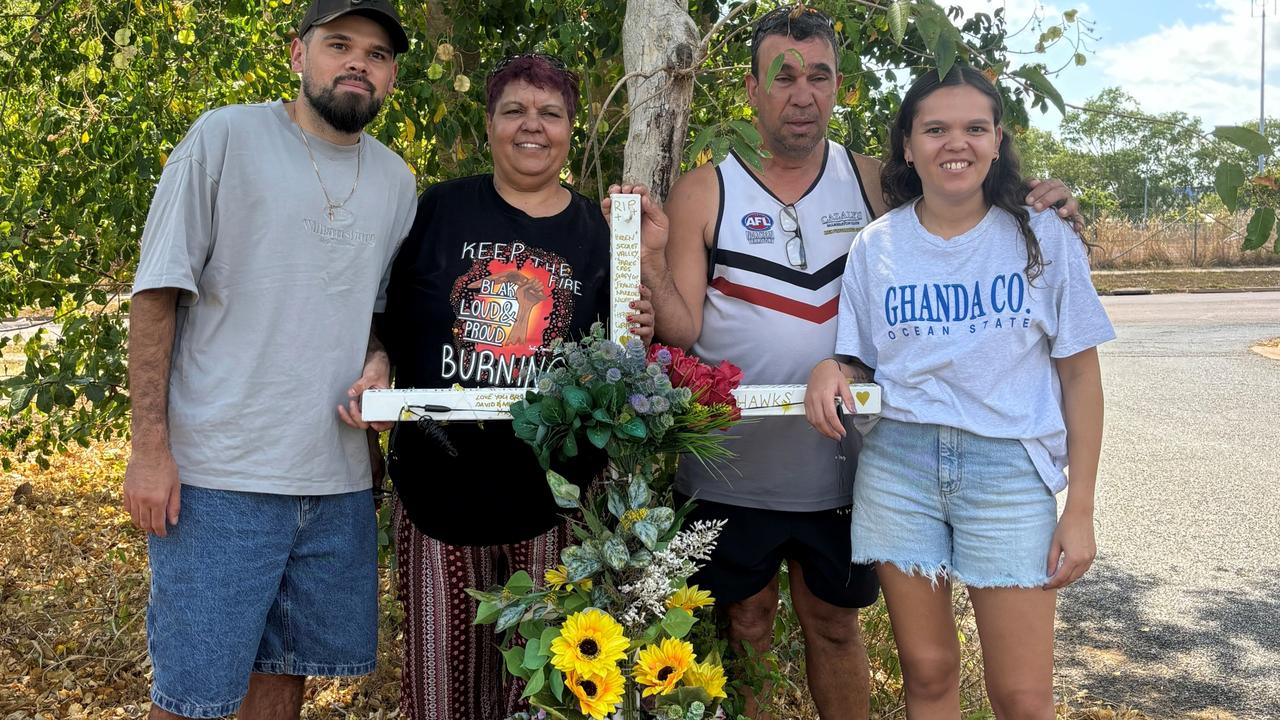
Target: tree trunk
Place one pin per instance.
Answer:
(658, 37)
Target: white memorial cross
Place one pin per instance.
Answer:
(460, 403)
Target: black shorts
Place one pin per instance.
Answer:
(754, 543)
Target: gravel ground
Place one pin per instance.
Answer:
(1180, 616)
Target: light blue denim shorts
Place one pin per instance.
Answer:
(252, 582)
(945, 503)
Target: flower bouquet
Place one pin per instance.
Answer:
(605, 633)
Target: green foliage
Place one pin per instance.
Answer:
(611, 396)
(1119, 158)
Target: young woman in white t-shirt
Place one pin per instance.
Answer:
(977, 317)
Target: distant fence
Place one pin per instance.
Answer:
(1185, 239)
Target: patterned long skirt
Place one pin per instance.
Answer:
(452, 668)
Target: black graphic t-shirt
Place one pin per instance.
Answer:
(478, 291)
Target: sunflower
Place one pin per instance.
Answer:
(661, 666)
(598, 695)
(690, 599)
(590, 642)
(558, 578)
(708, 676)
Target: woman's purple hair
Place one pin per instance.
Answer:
(538, 71)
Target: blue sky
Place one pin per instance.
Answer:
(1198, 56)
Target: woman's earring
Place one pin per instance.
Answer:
(911, 165)
(994, 159)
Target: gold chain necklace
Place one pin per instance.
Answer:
(332, 209)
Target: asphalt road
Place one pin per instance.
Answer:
(1180, 615)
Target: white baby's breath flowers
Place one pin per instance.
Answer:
(670, 568)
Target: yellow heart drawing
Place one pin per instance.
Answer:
(862, 397)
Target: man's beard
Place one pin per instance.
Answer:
(346, 113)
(796, 146)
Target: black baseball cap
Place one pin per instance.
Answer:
(380, 11)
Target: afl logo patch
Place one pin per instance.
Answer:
(757, 222)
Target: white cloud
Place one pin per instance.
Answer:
(1207, 69)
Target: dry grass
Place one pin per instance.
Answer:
(1163, 281)
(73, 593)
(1181, 242)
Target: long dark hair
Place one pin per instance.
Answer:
(1003, 187)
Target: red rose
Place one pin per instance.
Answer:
(684, 371)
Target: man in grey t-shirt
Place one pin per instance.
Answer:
(265, 253)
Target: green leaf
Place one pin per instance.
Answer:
(532, 629)
(552, 411)
(775, 67)
(576, 602)
(899, 11)
(677, 622)
(533, 412)
(514, 658)
(638, 492)
(929, 25)
(647, 532)
(486, 613)
(44, 399)
(536, 681)
(19, 400)
(700, 142)
(524, 429)
(616, 555)
(640, 559)
(1227, 181)
(570, 445)
(479, 595)
(1276, 248)
(549, 633)
(647, 636)
(748, 153)
(1038, 82)
(616, 502)
(534, 655)
(1245, 138)
(633, 428)
(946, 52)
(520, 583)
(577, 399)
(747, 131)
(593, 522)
(95, 393)
(580, 561)
(661, 518)
(1259, 228)
(565, 493)
(557, 685)
(599, 435)
(518, 409)
(509, 617)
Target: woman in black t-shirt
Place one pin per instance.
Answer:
(494, 268)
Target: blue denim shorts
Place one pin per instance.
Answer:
(252, 582)
(945, 503)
